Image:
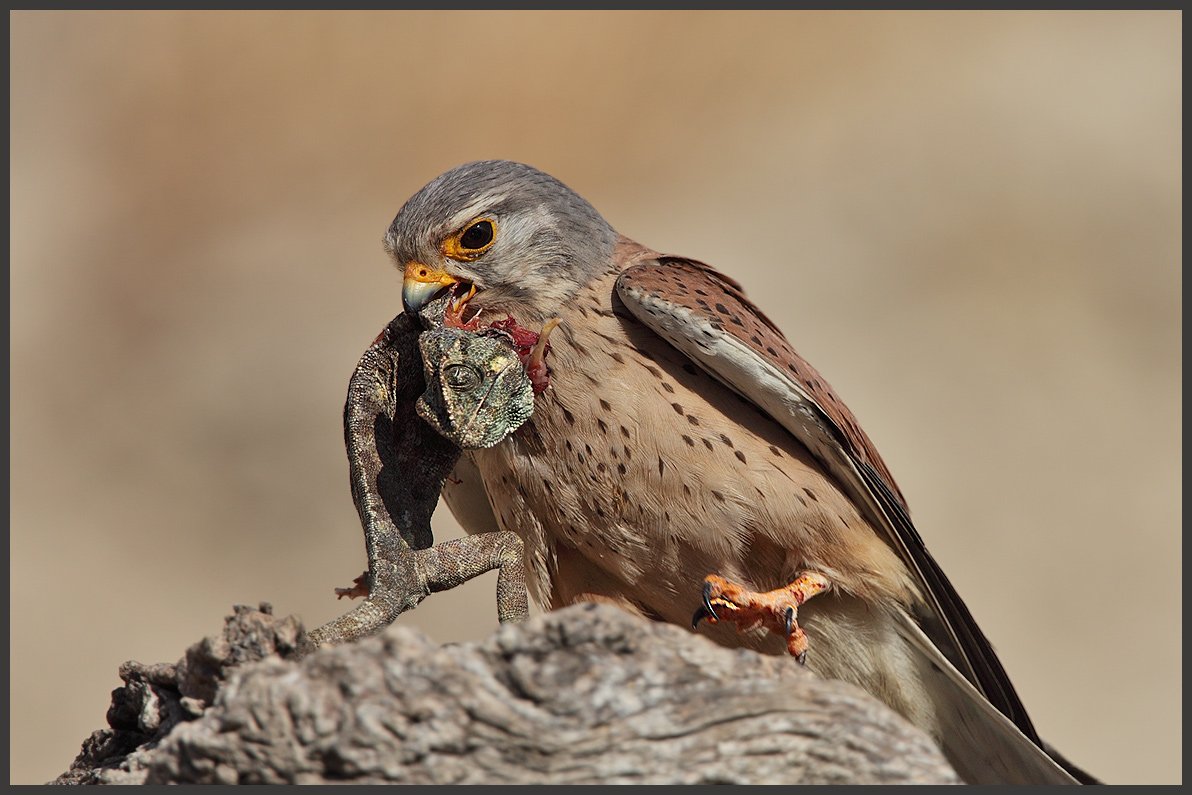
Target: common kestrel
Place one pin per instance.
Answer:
(682, 436)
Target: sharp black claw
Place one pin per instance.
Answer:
(708, 601)
(801, 659)
(705, 610)
(789, 618)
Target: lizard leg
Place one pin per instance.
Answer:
(460, 559)
(775, 610)
(395, 585)
(401, 581)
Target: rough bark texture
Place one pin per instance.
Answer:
(588, 694)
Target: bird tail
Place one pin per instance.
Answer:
(982, 744)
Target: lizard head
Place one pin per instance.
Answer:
(477, 390)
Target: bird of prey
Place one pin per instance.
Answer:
(686, 457)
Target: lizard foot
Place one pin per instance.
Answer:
(531, 347)
(536, 361)
(775, 610)
(359, 588)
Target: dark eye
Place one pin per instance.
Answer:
(476, 236)
(461, 377)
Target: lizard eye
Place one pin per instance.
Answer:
(461, 377)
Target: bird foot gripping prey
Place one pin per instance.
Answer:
(775, 610)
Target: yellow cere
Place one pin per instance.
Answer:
(424, 273)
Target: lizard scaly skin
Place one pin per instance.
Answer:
(412, 405)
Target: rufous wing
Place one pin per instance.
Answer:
(706, 315)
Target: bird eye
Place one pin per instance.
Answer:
(469, 244)
(476, 236)
(461, 377)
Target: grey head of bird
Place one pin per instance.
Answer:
(508, 238)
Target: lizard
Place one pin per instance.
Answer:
(430, 386)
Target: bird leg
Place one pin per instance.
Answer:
(775, 610)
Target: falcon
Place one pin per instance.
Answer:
(686, 457)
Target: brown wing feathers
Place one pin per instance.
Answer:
(722, 302)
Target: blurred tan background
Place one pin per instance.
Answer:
(969, 222)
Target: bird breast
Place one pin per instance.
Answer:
(639, 473)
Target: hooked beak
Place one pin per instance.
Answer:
(421, 283)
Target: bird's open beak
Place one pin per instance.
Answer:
(421, 283)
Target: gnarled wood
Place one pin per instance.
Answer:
(587, 694)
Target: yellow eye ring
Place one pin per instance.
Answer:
(473, 240)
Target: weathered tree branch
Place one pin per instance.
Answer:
(588, 694)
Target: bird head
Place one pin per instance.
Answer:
(504, 237)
